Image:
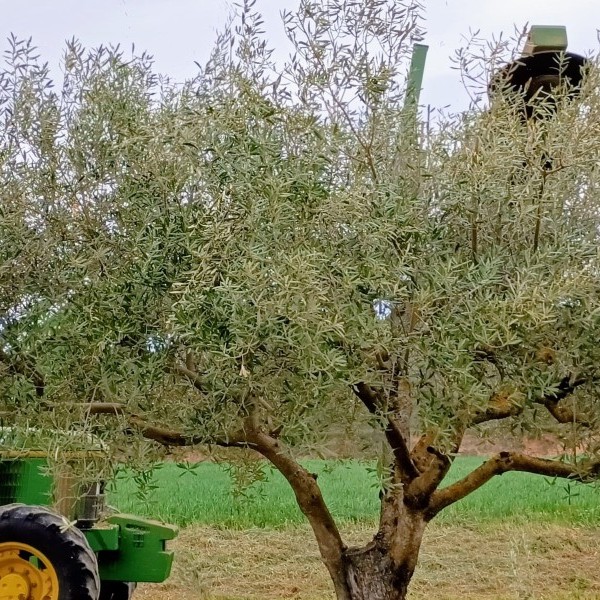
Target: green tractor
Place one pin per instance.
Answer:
(58, 540)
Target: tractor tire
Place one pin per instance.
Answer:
(116, 590)
(50, 557)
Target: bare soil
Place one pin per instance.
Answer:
(474, 444)
(545, 445)
(495, 562)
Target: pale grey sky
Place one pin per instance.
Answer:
(179, 32)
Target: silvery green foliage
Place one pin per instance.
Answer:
(204, 252)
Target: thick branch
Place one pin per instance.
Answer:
(303, 483)
(501, 407)
(562, 413)
(309, 498)
(511, 461)
(158, 433)
(393, 432)
(432, 465)
(163, 435)
(565, 414)
(367, 395)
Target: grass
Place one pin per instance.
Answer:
(204, 495)
(520, 536)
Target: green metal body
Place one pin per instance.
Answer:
(415, 75)
(141, 553)
(24, 481)
(545, 38)
(128, 548)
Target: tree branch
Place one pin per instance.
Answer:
(564, 414)
(432, 465)
(163, 435)
(191, 375)
(158, 433)
(303, 483)
(99, 408)
(393, 432)
(496, 411)
(501, 407)
(511, 461)
(309, 498)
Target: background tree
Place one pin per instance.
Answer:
(200, 264)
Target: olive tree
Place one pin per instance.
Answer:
(201, 264)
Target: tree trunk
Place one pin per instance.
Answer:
(372, 575)
(383, 569)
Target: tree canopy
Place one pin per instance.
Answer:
(202, 263)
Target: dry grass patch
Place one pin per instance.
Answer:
(495, 562)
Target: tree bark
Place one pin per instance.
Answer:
(382, 570)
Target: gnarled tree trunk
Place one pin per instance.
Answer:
(382, 569)
(371, 574)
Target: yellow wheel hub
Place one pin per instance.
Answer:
(26, 574)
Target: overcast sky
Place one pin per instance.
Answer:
(179, 32)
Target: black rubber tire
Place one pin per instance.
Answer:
(116, 590)
(63, 545)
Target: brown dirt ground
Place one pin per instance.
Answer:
(473, 445)
(496, 562)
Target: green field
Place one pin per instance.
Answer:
(205, 495)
